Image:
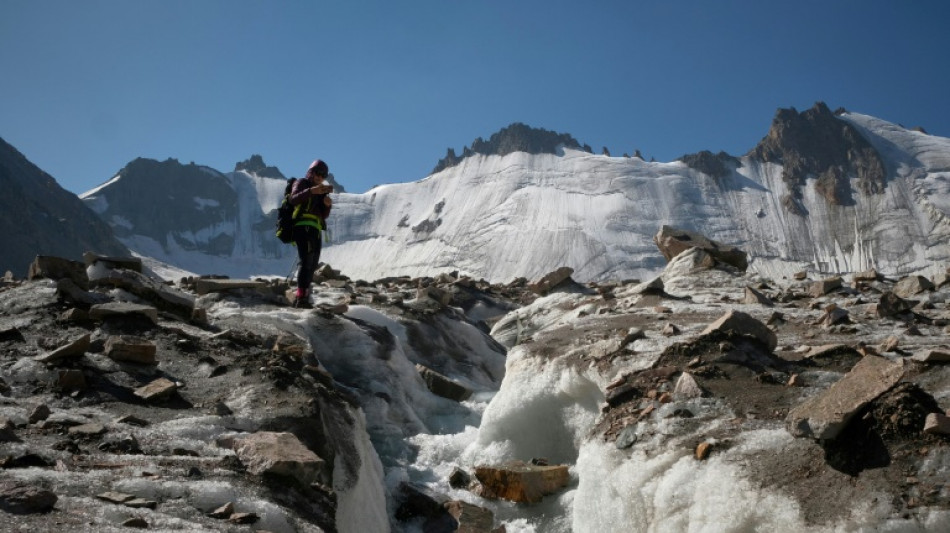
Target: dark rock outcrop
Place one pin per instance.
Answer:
(517, 137)
(816, 144)
(41, 218)
(255, 165)
(715, 165)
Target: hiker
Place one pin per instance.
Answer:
(311, 199)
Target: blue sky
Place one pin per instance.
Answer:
(380, 89)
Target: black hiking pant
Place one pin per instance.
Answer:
(309, 242)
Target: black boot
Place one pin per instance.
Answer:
(303, 303)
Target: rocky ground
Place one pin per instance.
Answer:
(209, 405)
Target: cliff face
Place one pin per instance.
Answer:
(39, 217)
(816, 144)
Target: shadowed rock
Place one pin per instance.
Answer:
(824, 416)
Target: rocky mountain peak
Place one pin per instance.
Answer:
(516, 137)
(815, 143)
(255, 165)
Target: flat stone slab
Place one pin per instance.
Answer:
(118, 309)
(74, 348)
(280, 454)
(823, 416)
(157, 390)
(933, 356)
(205, 286)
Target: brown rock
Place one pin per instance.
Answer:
(937, 424)
(74, 348)
(754, 297)
(933, 356)
(45, 266)
(890, 344)
(911, 285)
(131, 349)
(672, 242)
(551, 280)
(223, 512)
(702, 451)
(823, 416)
(891, 304)
(470, 518)
(280, 454)
(120, 309)
(520, 482)
(208, 285)
(744, 324)
(244, 518)
(820, 288)
(157, 390)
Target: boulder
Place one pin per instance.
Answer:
(891, 304)
(441, 385)
(74, 348)
(470, 518)
(279, 454)
(55, 268)
(17, 498)
(754, 297)
(825, 415)
(131, 349)
(867, 275)
(550, 280)
(744, 324)
(672, 241)
(911, 285)
(520, 482)
(817, 289)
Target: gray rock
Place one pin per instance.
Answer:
(121, 309)
(824, 416)
(16, 498)
(687, 387)
(441, 385)
(627, 437)
(39, 413)
(128, 263)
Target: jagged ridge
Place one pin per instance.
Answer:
(517, 137)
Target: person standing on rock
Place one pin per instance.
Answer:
(311, 199)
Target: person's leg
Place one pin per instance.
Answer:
(305, 253)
